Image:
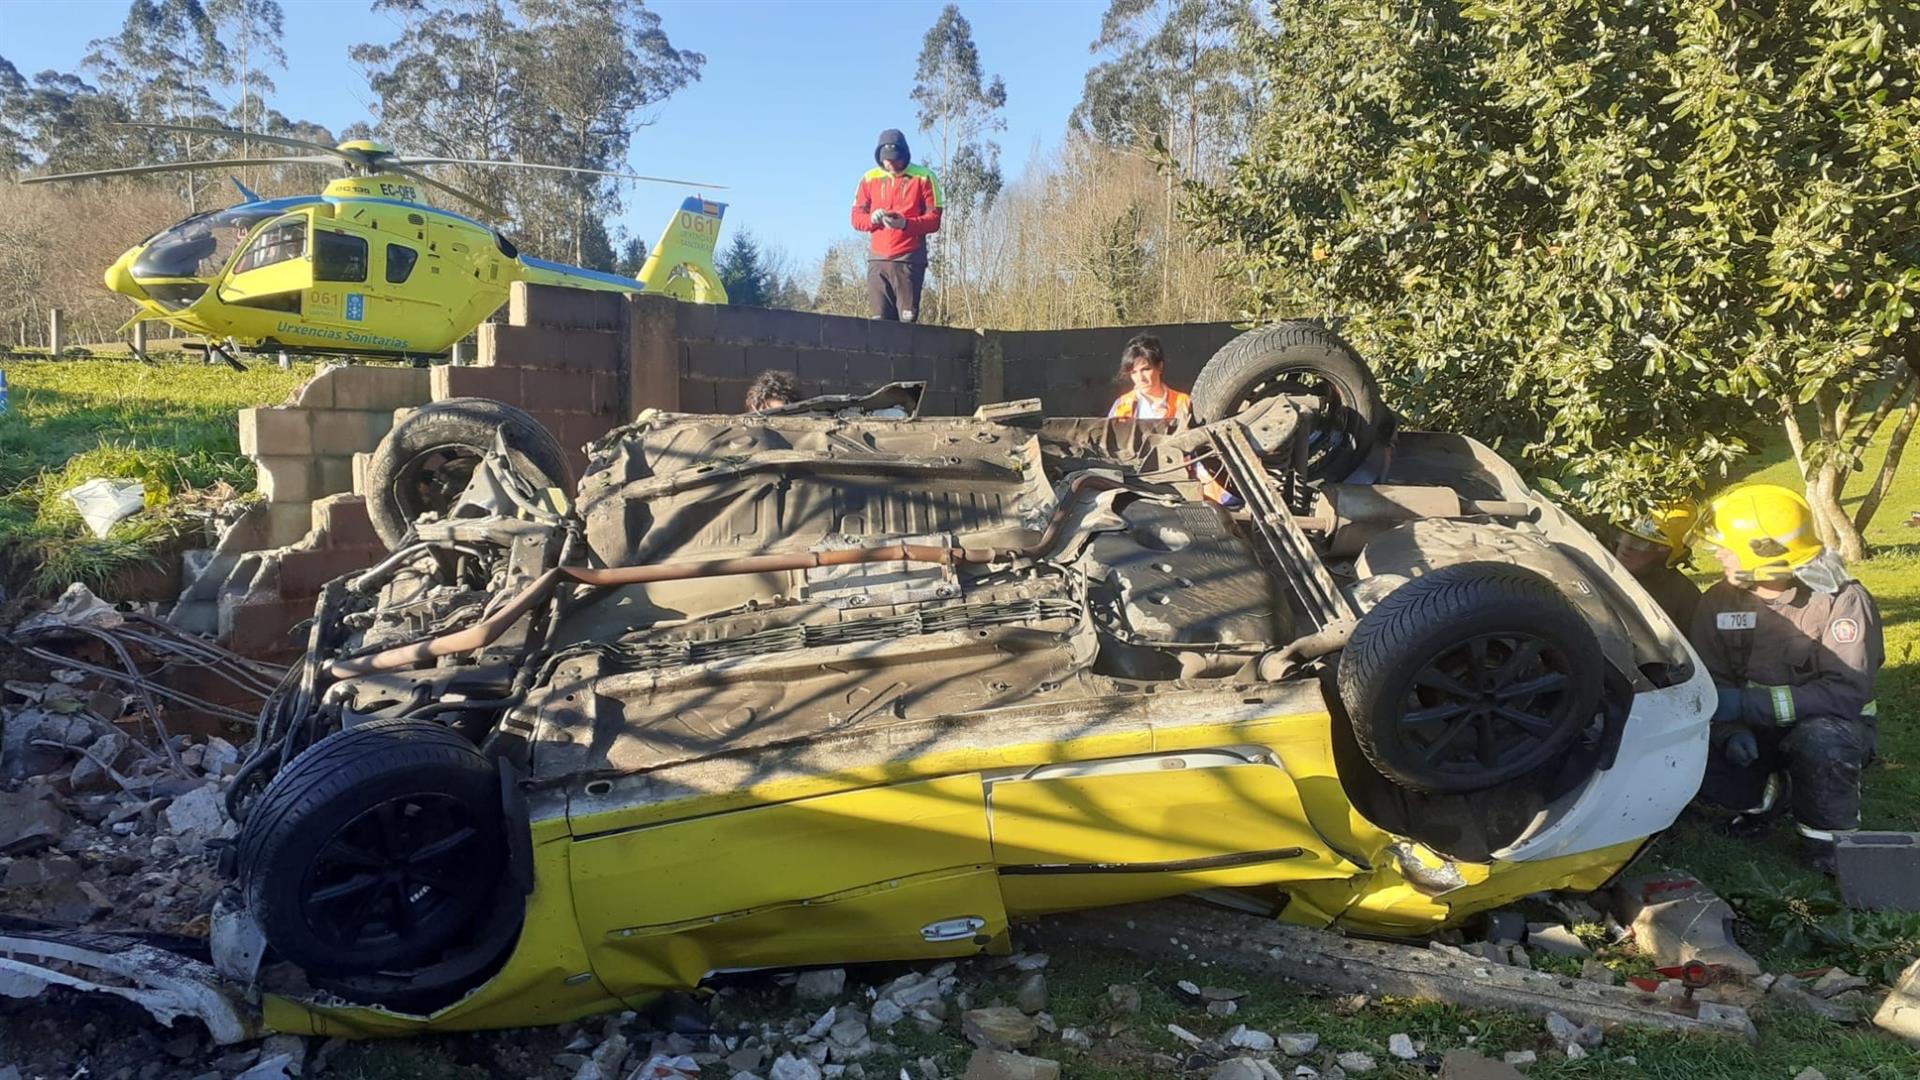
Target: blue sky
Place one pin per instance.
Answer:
(785, 113)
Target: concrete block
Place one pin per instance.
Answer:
(954, 373)
(867, 370)
(360, 462)
(332, 475)
(498, 383)
(260, 628)
(772, 358)
(344, 519)
(823, 365)
(276, 432)
(942, 343)
(343, 432)
(609, 395)
(595, 350)
(287, 523)
(1879, 870)
(559, 305)
(285, 479)
(654, 352)
(886, 336)
(730, 395)
(381, 389)
(697, 395)
(1678, 920)
(691, 322)
(317, 392)
(557, 391)
(302, 573)
(521, 346)
(716, 360)
(843, 332)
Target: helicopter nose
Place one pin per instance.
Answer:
(119, 277)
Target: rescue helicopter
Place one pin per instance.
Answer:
(366, 267)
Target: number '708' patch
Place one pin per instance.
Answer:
(1734, 620)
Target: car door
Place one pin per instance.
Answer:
(1083, 834)
(893, 872)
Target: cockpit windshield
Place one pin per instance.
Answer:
(200, 246)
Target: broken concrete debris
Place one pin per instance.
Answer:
(989, 1064)
(1899, 1014)
(1677, 920)
(999, 1027)
(820, 984)
(1400, 1045)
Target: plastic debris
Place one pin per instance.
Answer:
(104, 503)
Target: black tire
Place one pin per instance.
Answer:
(1487, 650)
(377, 849)
(424, 462)
(1304, 359)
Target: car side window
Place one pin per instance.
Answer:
(400, 260)
(339, 256)
(276, 244)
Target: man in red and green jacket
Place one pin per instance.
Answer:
(898, 202)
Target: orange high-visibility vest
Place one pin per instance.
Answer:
(1177, 403)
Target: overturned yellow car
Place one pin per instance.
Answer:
(840, 683)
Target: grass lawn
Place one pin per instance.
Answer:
(171, 425)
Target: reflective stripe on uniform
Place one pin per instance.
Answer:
(1782, 704)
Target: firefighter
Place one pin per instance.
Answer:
(1653, 549)
(1793, 644)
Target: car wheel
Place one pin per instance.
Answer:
(424, 463)
(1297, 358)
(1468, 677)
(376, 849)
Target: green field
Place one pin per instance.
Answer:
(171, 425)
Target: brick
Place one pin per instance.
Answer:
(285, 479)
(827, 367)
(521, 346)
(716, 360)
(344, 519)
(379, 388)
(276, 432)
(558, 391)
(498, 383)
(558, 305)
(341, 432)
(595, 350)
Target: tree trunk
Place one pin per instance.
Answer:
(1896, 446)
(1836, 529)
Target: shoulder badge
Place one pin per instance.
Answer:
(1845, 631)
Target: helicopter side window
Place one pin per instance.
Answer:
(278, 244)
(400, 260)
(339, 257)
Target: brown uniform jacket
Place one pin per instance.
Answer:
(1804, 653)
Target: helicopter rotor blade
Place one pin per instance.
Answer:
(554, 168)
(176, 166)
(477, 202)
(253, 136)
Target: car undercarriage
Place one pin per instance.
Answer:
(944, 672)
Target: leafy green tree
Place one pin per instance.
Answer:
(161, 67)
(960, 107)
(633, 257)
(1610, 236)
(742, 270)
(251, 31)
(1173, 75)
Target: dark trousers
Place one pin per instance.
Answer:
(1822, 757)
(893, 287)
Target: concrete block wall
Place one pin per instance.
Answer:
(1074, 371)
(256, 615)
(721, 349)
(304, 450)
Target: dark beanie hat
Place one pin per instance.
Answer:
(895, 137)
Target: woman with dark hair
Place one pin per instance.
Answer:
(1151, 398)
